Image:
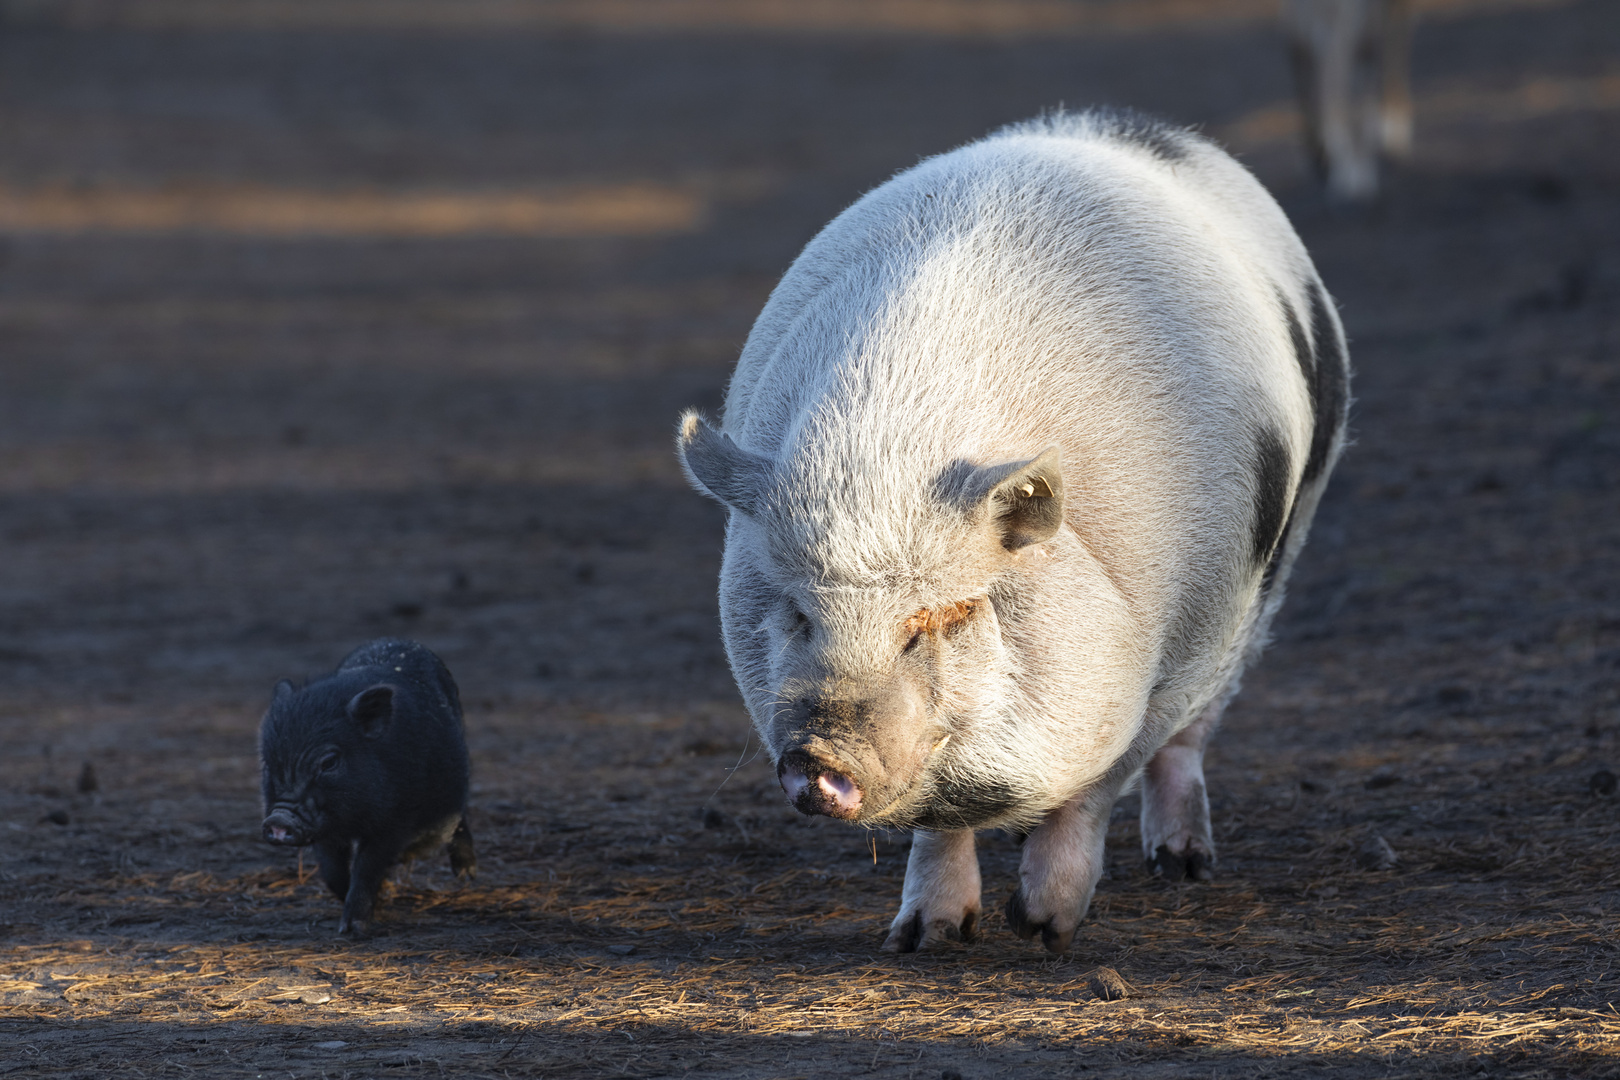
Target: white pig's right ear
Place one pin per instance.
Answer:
(371, 709)
(718, 467)
(1022, 500)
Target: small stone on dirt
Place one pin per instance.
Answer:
(1107, 985)
(1376, 854)
(1602, 783)
(56, 817)
(621, 950)
(331, 1044)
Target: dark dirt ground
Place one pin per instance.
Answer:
(228, 453)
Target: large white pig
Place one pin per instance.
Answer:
(1017, 459)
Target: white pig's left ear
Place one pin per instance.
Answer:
(716, 466)
(371, 709)
(1024, 500)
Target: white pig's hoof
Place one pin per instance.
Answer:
(1051, 930)
(1192, 863)
(914, 932)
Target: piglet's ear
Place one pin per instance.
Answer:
(718, 467)
(1024, 500)
(371, 709)
(284, 689)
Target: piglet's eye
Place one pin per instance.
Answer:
(328, 762)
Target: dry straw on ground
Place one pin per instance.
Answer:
(617, 928)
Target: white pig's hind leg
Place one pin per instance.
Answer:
(1176, 838)
(940, 901)
(1063, 858)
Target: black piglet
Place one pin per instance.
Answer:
(368, 765)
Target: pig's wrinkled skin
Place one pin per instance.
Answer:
(1017, 459)
(369, 766)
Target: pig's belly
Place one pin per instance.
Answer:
(431, 839)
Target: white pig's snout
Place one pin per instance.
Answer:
(815, 786)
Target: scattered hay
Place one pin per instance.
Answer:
(637, 939)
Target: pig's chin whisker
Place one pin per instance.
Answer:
(748, 737)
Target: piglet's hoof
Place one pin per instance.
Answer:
(1056, 941)
(910, 935)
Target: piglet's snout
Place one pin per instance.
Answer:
(283, 827)
(815, 786)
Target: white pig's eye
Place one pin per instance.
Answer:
(328, 762)
(946, 620)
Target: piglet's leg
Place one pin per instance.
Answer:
(371, 863)
(940, 901)
(463, 859)
(1063, 858)
(1176, 838)
(333, 858)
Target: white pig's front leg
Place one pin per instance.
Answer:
(941, 899)
(1063, 858)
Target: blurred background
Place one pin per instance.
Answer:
(322, 319)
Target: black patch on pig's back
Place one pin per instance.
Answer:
(1326, 371)
(1272, 507)
(1270, 574)
(965, 805)
(1163, 140)
(1304, 355)
(1327, 377)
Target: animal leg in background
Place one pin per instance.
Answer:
(1395, 107)
(1350, 64)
